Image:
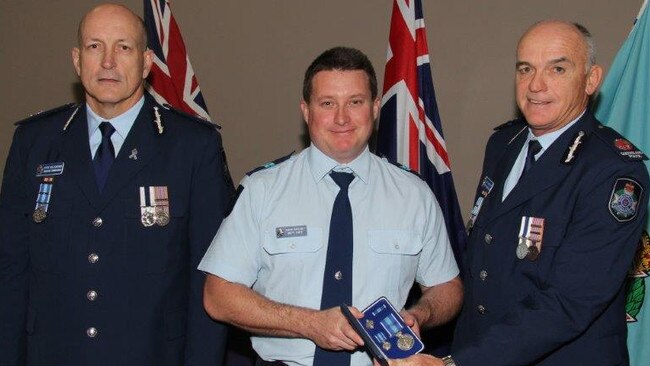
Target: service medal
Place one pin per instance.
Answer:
(370, 324)
(43, 198)
(522, 250)
(533, 253)
(386, 345)
(405, 341)
(147, 216)
(161, 216)
(39, 215)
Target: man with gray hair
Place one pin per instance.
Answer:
(558, 215)
(105, 211)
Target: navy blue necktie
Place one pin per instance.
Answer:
(533, 148)
(337, 279)
(105, 154)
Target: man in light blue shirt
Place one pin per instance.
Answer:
(266, 264)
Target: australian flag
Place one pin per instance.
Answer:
(410, 131)
(171, 80)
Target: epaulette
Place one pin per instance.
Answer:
(402, 166)
(510, 123)
(270, 164)
(39, 115)
(622, 146)
(195, 118)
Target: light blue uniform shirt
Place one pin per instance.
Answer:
(518, 167)
(121, 123)
(398, 232)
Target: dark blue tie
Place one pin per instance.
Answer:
(105, 154)
(337, 279)
(533, 148)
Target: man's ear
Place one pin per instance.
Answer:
(76, 55)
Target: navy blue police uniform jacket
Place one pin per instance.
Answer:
(566, 307)
(90, 284)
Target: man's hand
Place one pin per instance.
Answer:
(410, 321)
(329, 329)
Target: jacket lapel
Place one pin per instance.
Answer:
(75, 150)
(141, 138)
(503, 166)
(546, 172)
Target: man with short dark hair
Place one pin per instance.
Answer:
(106, 209)
(557, 220)
(333, 224)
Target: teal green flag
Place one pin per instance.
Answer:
(624, 105)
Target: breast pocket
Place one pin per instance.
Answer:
(295, 246)
(49, 244)
(539, 269)
(293, 266)
(396, 252)
(158, 244)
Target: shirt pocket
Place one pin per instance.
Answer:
(397, 253)
(297, 246)
(293, 267)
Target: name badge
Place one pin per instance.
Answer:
(290, 231)
(49, 170)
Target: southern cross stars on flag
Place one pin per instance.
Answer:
(410, 131)
(171, 80)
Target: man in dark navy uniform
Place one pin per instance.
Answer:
(105, 211)
(558, 214)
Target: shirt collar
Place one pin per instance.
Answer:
(121, 123)
(547, 139)
(321, 164)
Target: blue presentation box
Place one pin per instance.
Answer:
(384, 332)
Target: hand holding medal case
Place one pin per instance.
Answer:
(384, 332)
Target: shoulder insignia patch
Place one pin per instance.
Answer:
(201, 120)
(623, 147)
(624, 200)
(41, 114)
(270, 164)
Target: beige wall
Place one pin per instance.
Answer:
(249, 57)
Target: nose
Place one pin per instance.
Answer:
(108, 60)
(537, 82)
(342, 116)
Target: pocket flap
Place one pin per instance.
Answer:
(402, 242)
(309, 243)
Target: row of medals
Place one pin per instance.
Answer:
(404, 341)
(526, 249)
(150, 215)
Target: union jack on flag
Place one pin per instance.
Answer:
(171, 80)
(410, 131)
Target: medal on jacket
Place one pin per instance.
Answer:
(486, 187)
(47, 172)
(160, 201)
(43, 200)
(154, 206)
(530, 238)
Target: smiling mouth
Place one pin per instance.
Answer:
(537, 102)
